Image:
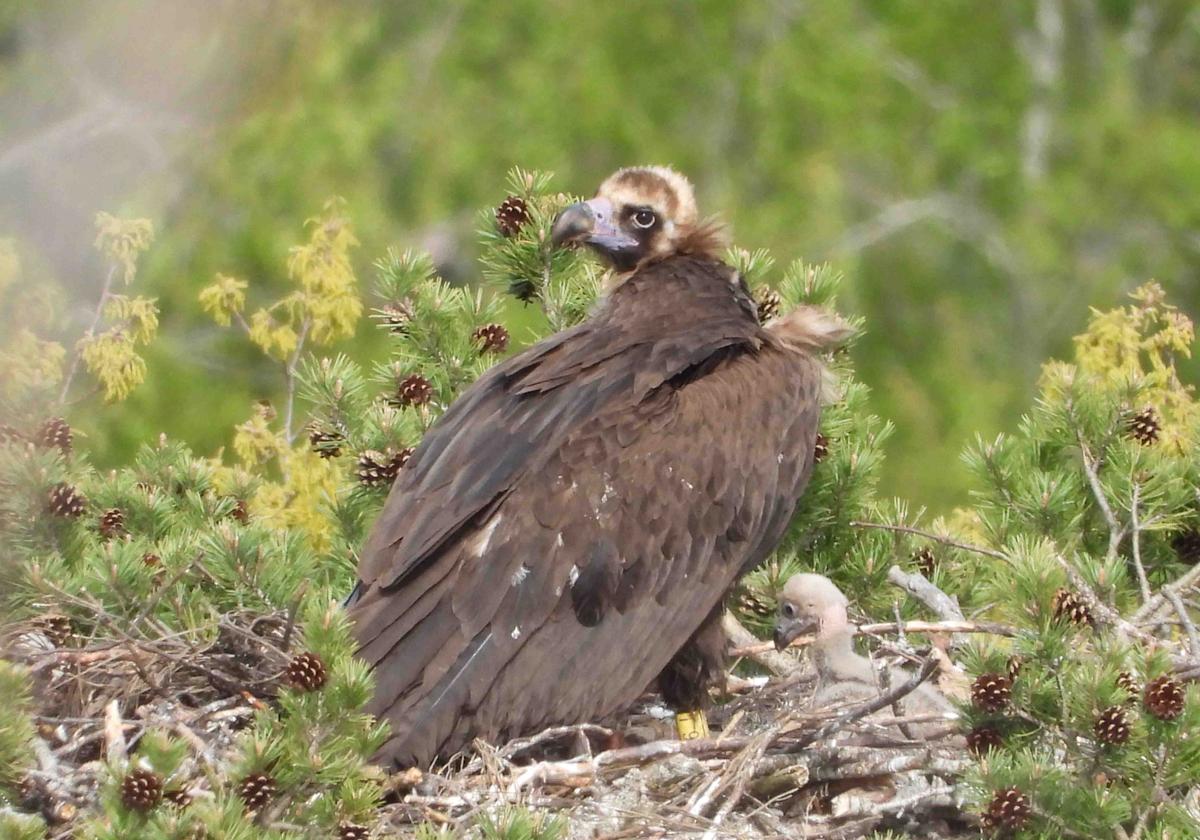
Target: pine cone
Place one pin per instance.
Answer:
(151, 559)
(820, 448)
(983, 739)
(374, 468)
(1013, 667)
(1112, 726)
(179, 797)
(112, 523)
(1187, 545)
(491, 338)
(397, 316)
(1009, 810)
(1070, 607)
(325, 442)
(1164, 698)
(353, 831)
(65, 500)
(54, 626)
(56, 432)
(511, 215)
(141, 790)
(306, 672)
(750, 603)
(401, 458)
(1144, 426)
(240, 512)
(1129, 684)
(769, 303)
(991, 692)
(256, 790)
(925, 560)
(414, 389)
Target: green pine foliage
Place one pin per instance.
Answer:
(1086, 512)
(16, 729)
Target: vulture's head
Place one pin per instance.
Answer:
(809, 604)
(639, 215)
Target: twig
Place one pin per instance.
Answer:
(742, 769)
(881, 702)
(1137, 545)
(1180, 584)
(940, 795)
(1115, 532)
(1186, 620)
(916, 584)
(744, 640)
(929, 535)
(289, 371)
(114, 735)
(707, 747)
(552, 734)
(291, 616)
(91, 331)
(890, 627)
(162, 590)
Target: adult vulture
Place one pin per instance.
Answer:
(568, 529)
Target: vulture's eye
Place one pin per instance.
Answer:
(788, 610)
(644, 219)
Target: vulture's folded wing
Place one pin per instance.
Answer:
(570, 522)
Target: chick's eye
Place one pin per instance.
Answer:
(789, 611)
(644, 219)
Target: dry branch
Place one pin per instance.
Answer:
(993, 628)
(917, 585)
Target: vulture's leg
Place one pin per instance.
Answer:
(698, 664)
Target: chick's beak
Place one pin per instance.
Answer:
(787, 629)
(592, 222)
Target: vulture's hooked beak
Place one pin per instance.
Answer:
(787, 629)
(592, 222)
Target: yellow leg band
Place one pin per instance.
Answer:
(691, 725)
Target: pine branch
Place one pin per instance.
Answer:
(1181, 584)
(1116, 532)
(929, 535)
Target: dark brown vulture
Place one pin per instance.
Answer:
(567, 531)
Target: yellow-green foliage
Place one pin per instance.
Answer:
(122, 241)
(322, 270)
(224, 299)
(1139, 344)
(28, 362)
(130, 323)
(324, 307)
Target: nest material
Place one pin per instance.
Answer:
(770, 764)
(96, 696)
(770, 769)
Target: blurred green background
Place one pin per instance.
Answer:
(981, 171)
